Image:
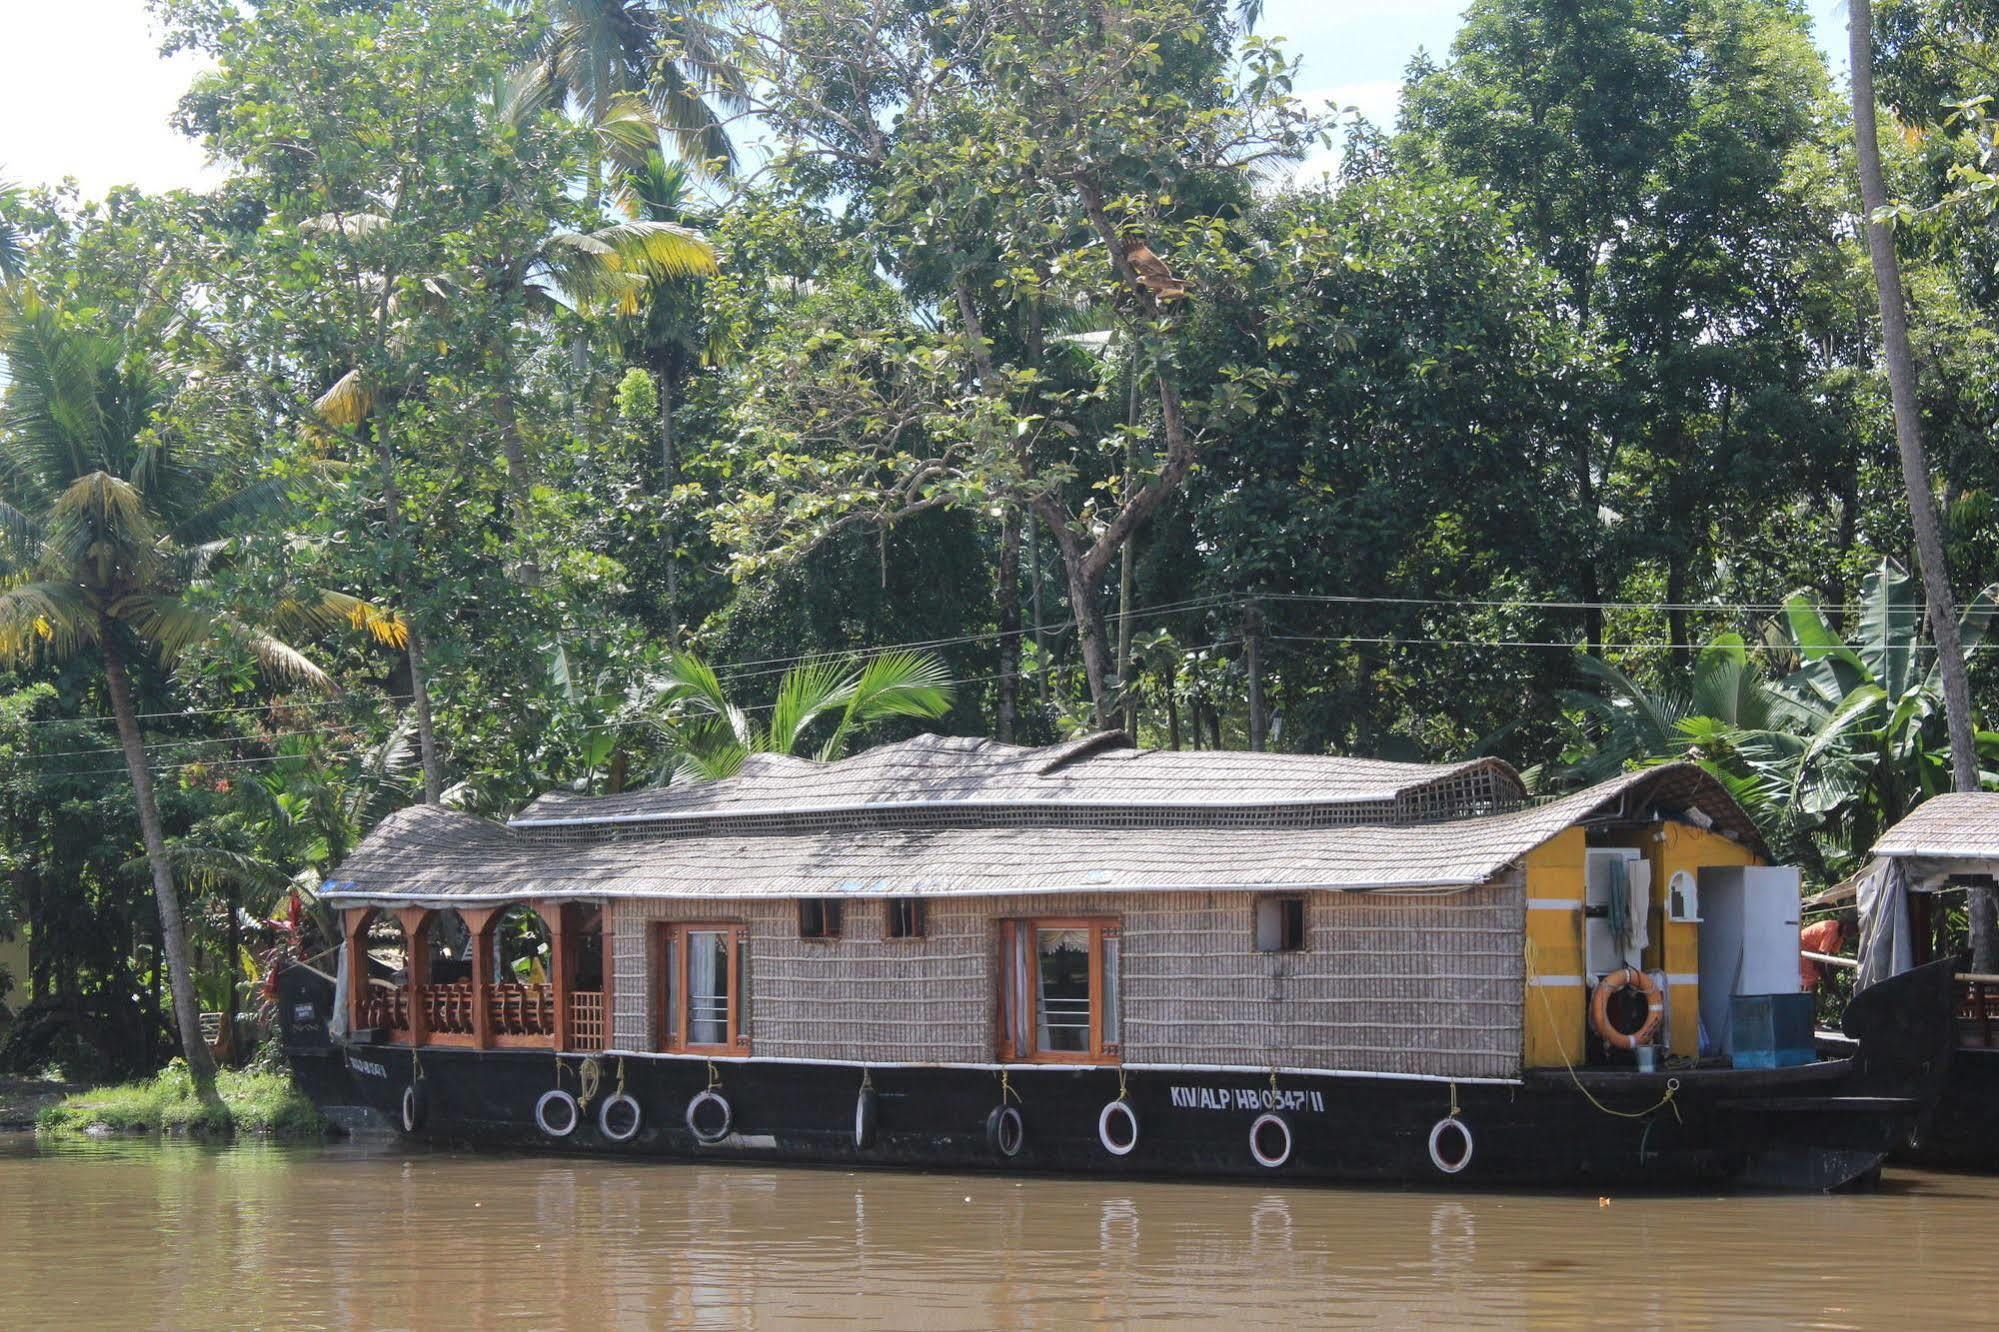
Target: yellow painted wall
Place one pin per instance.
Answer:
(1556, 1017)
(1552, 1027)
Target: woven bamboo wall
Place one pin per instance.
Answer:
(1429, 985)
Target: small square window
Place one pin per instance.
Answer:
(904, 919)
(818, 918)
(1280, 925)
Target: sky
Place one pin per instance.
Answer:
(84, 93)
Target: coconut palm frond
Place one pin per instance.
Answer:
(347, 402)
(691, 686)
(13, 237)
(47, 618)
(660, 249)
(806, 693)
(258, 500)
(322, 609)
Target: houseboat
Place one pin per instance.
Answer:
(1910, 901)
(1097, 958)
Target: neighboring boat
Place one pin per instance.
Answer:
(1096, 958)
(1929, 855)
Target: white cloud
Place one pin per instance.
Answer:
(84, 93)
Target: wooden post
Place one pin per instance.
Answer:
(479, 924)
(416, 958)
(354, 920)
(561, 972)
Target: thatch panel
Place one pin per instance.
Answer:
(1420, 985)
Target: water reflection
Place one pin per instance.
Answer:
(352, 1236)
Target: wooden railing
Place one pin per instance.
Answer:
(449, 1008)
(521, 1010)
(586, 1019)
(386, 1006)
(1977, 1009)
(515, 1013)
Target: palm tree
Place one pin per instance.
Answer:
(114, 510)
(1692, 716)
(667, 51)
(668, 334)
(709, 736)
(1901, 361)
(13, 248)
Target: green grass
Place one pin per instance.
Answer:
(248, 1103)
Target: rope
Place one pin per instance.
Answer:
(1120, 1083)
(416, 1065)
(867, 1080)
(1006, 1088)
(1454, 1100)
(714, 1078)
(592, 1077)
(621, 1075)
(1561, 1048)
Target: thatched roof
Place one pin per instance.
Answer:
(1947, 827)
(1103, 771)
(430, 854)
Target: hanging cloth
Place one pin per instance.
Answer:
(1886, 948)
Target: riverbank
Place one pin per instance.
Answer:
(261, 1104)
(22, 1100)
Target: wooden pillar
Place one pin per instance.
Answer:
(561, 966)
(354, 920)
(479, 924)
(416, 956)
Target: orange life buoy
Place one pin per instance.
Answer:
(1626, 978)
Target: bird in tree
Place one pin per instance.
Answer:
(709, 736)
(117, 500)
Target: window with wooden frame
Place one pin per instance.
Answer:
(1280, 925)
(703, 979)
(903, 918)
(819, 917)
(1059, 990)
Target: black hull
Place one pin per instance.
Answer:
(1822, 1126)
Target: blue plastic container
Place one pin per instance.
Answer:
(1771, 1030)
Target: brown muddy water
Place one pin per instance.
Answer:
(144, 1234)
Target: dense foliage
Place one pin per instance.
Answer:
(624, 371)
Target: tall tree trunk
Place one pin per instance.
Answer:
(1678, 632)
(232, 965)
(1915, 467)
(173, 930)
(426, 736)
(1127, 558)
(669, 472)
(515, 452)
(1009, 623)
(1040, 623)
(433, 766)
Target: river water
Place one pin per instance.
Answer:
(128, 1233)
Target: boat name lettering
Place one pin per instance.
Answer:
(1246, 1098)
(368, 1066)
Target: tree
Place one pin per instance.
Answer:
(1901, 365)
(666, 331)
(1009, 160)
(115, 503)
(710, 736)
(667, 51)
(1649, 147)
